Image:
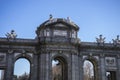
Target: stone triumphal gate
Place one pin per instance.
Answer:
(57, 39)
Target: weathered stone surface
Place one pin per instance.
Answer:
(65, 46)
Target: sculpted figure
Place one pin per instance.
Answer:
(51, 17)
(116, 41)
(11, 35)
(100, 39)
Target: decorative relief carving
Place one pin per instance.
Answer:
(118, 56)
(16, 54)
(84, 57)
(23, 51)
(10, 51)
(60, 25)
(96, 57)
(102, 55)
(30, 54)
(90, 55)
(1, 57)
(60, 33)
(110, 61)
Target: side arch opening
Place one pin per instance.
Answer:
(2, 71)
(90, 69)
(21, 69)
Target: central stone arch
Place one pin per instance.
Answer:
(62, 65)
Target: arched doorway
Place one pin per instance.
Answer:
(89, 70)
(111, 75)
(59, 69)
(22, 69)
(2, 74)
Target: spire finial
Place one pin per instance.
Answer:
(117, 37)
(50, 16)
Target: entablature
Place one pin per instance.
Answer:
(94, 45)
(18, 41)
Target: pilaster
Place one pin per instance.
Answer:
(70, 68)
(34, 68)
(44, 66)
(80, 67)
(118, 66)
(10, 66)
(102, 67)
(75, 67)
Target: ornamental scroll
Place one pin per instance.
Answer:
(110, 61)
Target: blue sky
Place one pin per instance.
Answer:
(21, 66)
(94, 17)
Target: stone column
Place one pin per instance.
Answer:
(98, 77)
(34, 68)
(102, 67)
(70, 67)
(80, 64)
(10, 66)
(118, 66)
(75, 67)
(44, 66)
(48, 66)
